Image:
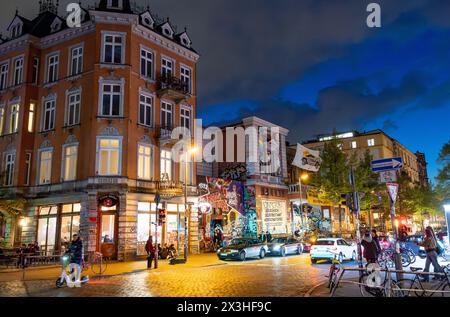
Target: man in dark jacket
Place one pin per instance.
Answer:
(76, 256)
(370, 248)
(151, 252)
(377, 241)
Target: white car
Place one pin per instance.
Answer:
(333, 248)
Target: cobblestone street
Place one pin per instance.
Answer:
(289, 277)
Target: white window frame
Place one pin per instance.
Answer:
(164, 162)
(28, 158)
(46, 101)
(9, 178)
(39, 170)
(164, 60)
(54, 64)
(76, 53)
(97, 165)
(69, 104)
(102, 84)
(371, 142)
(18, 70)
(151, 105)
(164, 125)
(64, 162)
(183, 76)
(184, 117)
(144, 156)
(14, 118)
(354, 145)
(16, 30)
(144, 60)
(113, 44)
(4, 72)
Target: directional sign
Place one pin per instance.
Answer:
(388, 176)
(387, 164)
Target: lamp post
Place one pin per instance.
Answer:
(447, 218)
(304, 177)
(190, 151)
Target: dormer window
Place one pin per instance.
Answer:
(147, 20)
(55, 26)
(115, 4)
(167, 30)
(16, 31)
(185, 40)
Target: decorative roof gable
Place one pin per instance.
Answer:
(147, 19)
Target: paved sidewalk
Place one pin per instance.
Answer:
(113, 269)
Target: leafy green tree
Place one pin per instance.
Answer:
(332, 178)
(443, 177)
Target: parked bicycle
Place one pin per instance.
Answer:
(96, 262)
(333, 274)
(371, 284)
(420, 288)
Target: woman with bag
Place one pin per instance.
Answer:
(430, 245)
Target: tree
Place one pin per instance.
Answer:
(332, 178)
(443, 177)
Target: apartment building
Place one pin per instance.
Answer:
(86, 116)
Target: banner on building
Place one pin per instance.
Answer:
(224, 195)
(274, 216)
(314, 199)
(307, 159)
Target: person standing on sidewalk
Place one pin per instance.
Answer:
(430, 246)
(377, 241)
(150, 249)
(370, 248)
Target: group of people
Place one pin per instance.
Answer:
(32, 249)
(166, 252)
(265, 237)
(372, 249)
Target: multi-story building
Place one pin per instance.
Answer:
(379, 144)
(424, 181)
(85, 121)
(264, 191)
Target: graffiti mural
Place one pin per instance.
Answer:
(235, 173)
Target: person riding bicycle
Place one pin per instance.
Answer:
(76, 256)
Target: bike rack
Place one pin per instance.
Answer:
(389, 275)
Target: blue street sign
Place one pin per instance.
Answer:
(394, 163)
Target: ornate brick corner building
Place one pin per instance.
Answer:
(85, 120)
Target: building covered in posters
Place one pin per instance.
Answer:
(85, 121)
(264, 205)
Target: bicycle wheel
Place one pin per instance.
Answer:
(409, 288)
(367, 291)
(99, 266)
(396, 290)
(412, 256)
(445, 290)
(406, 261)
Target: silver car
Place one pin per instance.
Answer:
(284, 246)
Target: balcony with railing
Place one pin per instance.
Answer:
(172, 88)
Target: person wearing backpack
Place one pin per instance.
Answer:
(430, 245)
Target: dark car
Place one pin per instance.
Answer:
(412, 242)
(241, 249)
(284, 246)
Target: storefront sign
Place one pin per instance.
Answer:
(109, 201)
(313, 199)
(274, 216)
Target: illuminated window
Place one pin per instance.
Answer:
(371, 142)
(31, 117)
(354, 146)
(166, 165)
(108, 156)
(45, 166)
(70, 158)
(2, 118)
(144, 162)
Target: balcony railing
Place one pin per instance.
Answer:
(172, 88)
(295, 189)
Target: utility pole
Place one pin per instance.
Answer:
(157, 201)
(357, 210)
(392, 193)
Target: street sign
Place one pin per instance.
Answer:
(388, 176)
(387, 164)
(393, 191)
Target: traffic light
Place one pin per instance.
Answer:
(161, 217)
(347, 200)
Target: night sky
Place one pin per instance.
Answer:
(314, 65)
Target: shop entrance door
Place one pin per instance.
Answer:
(108, 232)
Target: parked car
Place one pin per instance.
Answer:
(333, 248)
(284, 246)
(412, 242)
(241, 249)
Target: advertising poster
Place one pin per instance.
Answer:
(274, 216)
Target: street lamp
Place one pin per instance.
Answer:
(191, 151)
(304, 177)
(447, 217)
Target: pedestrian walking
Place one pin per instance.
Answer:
(430, 246)
(377, 241)
(150, 249)
(370, 248)
(268, 237)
